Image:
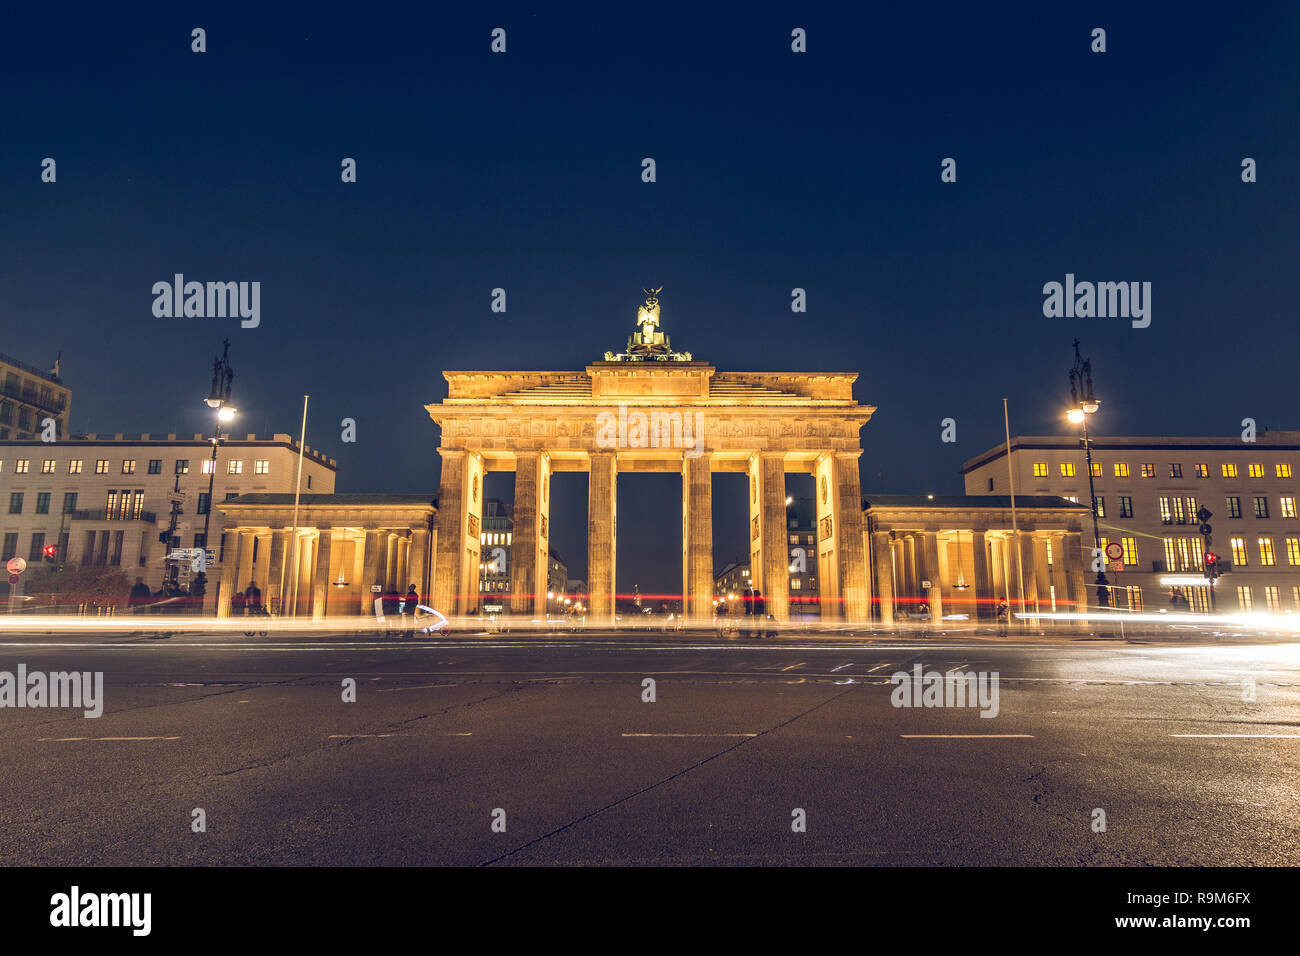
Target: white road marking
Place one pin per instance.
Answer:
(841, 667)
(793, 666)
(1239, 736)
(964, 736)
(689, 735)
(63, 739)
(359, 736)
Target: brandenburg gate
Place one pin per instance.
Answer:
(652, 409)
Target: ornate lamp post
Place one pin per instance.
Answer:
(219, 401)
(1082, 404)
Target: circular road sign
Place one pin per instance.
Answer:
(1114, 551)
(17, 565)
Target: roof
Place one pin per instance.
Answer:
(1025, 502)
(1275, 439)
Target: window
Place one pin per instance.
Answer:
(1284, 470)
(38, 545)
(1166, 514)
(207, 466)
(74, 466)
(1202, 471)
(1272, 600)
(1121, 471)
(1243, 598)
(1175, 471)
(309, 482)
(10, 546)
(101, 466)
(262, 466)
(1267, 558)
(1130, 546)
(1287, 507)
(1148, 470)
(796, 584)
(155, 466)
(1067, 469)
(236, 467)
(1099, 506)
(1261, 506)
(794, 539)
(1234, 506)
(1125, 506)
(1074, 498)
(20, 466)
(47, 466)
(16, 503)
(1238, 546)
(110, 504)
(1255, 469)
(1040, 469)
(128, 466)
(990, 484)
(42, 502)
(204, 502)
(1192, 507)
(69, 502)
(1229, 470)
(182, 466)
(1293, 551)
(1096, 469)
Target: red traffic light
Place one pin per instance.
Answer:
(1211, 557)
(51, 550)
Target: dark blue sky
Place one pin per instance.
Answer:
(775, 170)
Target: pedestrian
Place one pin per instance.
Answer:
(237, 603)
(409, 604)
(391, 602)
(139, 599)
(253, 598)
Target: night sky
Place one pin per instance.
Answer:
(775, 170)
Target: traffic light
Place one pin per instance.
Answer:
(51, 553)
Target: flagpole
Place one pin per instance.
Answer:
(1015, 530)
(293, 537)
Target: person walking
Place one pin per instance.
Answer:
(392, 600)
(409, 604)
(253, 598)
(139, 598)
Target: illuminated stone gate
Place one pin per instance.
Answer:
(651, 409)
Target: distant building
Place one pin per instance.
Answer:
(495, 538)
(801, 519)
(28, 396)
(1148, 491)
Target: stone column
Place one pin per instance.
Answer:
(455, 584)
(848, 536)
(998, 567)
(303, 574)
(370, 572)
(697, 538)
(1028, 568)
(774, 537)
(1075, 567)
(245, 572)
(321, 583)
(982, 586)
(229, 572)
(403, 556)
(930, 542)
(527, 545)
(1042, 574)
(911, 577)
(602, 518)
(275, 576)
(882, 553)
(390, 560)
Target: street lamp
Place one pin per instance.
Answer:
(219, 401)
(1083, 404)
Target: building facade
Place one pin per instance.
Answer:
(1148, 492)
(109, 500)
(28, 396)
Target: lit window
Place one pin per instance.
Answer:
(1229, 470)
(1074, 498)
(1234, 506)
(236, 467)
(1171, 555)
(1243, 598)
(1267, 558)
(1175, 471)
(1255, 470)
(207, 466)
(795, 584)
(1202, 471)
(1166, 515)
(47, 466)
(1040, 469)
(1148, 470)
(1272, 600)
(182, 466)
(1099, 506)
(262, 466)
(74, 466)
(1130, 546)
(1284, 471)
(1293, 551)
(1238, 551)
(1067, 469)
(1096, 469)
(1261, 506)
(21, 466)
(1121, 471)
(1288, 507)
(101, 466)
(1125, 506)
(128, 466)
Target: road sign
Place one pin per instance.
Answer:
(14, 579)
(1114, 551)
(1204, 515)
(16, 566)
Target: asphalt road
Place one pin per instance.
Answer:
(556, 734)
